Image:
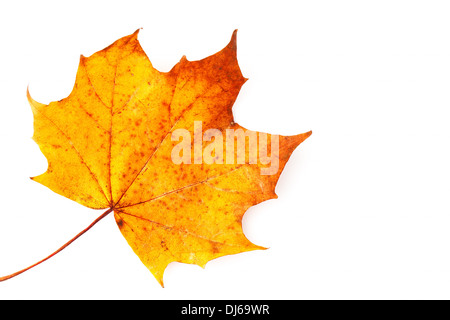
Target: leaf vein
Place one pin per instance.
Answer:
(76, 151)
(180, 230)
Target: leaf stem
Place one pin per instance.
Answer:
(104, 214)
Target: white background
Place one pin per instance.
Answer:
(363, 209)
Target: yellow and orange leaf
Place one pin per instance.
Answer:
(110, 145)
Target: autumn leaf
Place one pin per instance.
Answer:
(161, 150)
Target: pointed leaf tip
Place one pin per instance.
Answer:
(233, 42)
(136, 32)
(34, 104)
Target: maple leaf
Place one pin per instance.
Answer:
(114, 143)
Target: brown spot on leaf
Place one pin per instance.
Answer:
(119, 222)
